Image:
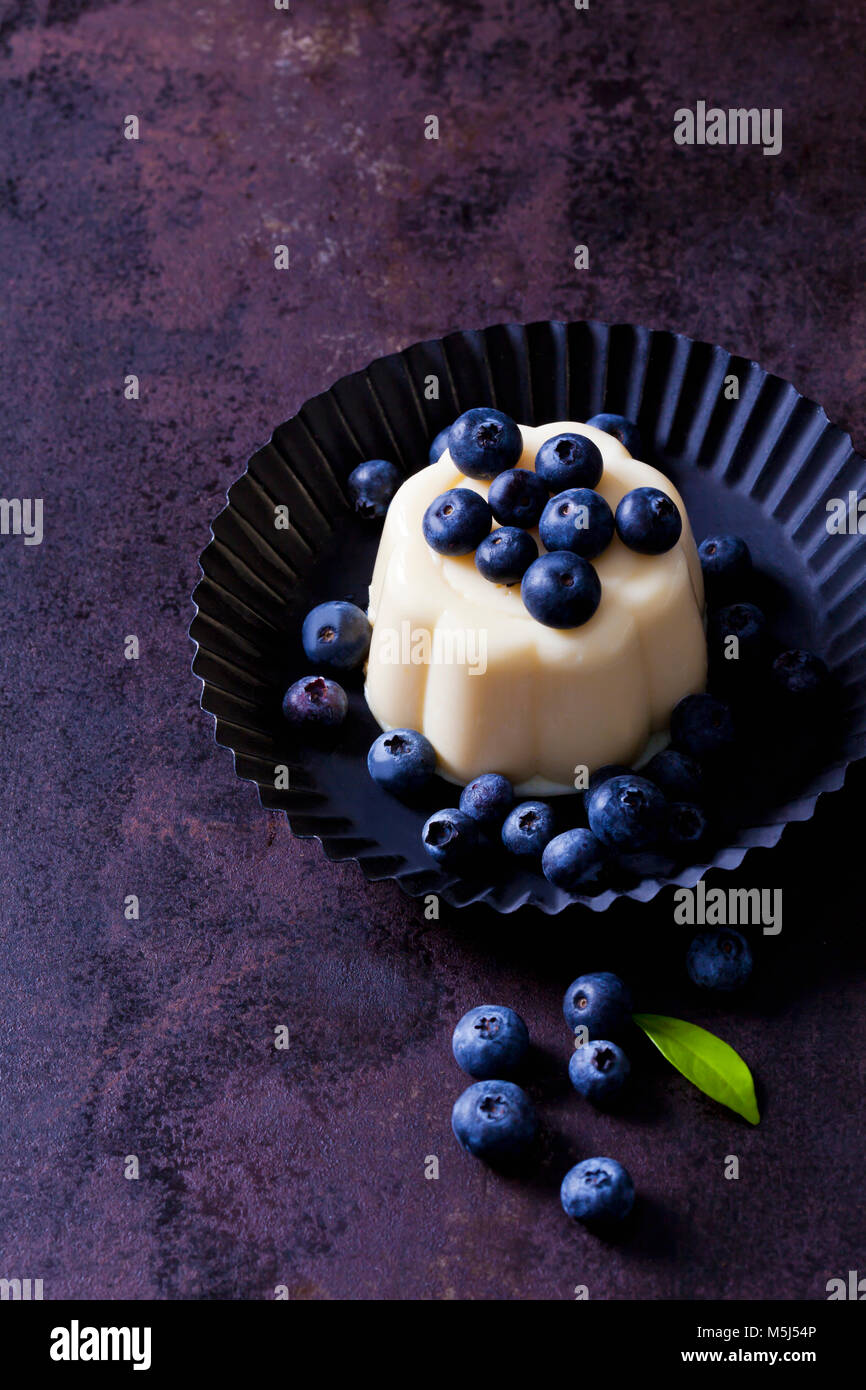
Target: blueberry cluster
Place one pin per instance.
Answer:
(495, 1120)
(560, 588)
(744, 661)
(629, 817)
(336, 637)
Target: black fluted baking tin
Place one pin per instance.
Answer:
(763, 465)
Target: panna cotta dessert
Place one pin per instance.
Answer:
(536, 628)
(536, 668)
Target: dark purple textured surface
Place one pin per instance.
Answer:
(154, 1038)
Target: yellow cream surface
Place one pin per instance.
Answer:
(460, 659)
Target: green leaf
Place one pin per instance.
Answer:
(705, 1060)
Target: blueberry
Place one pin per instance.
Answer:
(371, 487)
(315, 701)
(727, 567)
(627, 813)
(598, 1191)
(528, 828)
(599, 1002)
(336, 634)
(490, 1041)
(450, 837)
(505, 555)
(719, 960)
(439, 445)
(574, 861)
(494, 1120)
(578, 520)
(743, 621)
(647, 520)
(675, 774)
(800, 676)
(487, 799)
(603, 774)
(569, 460)
(518, 497)
(561, 590)
(484, 442)
(402, 761)
(626, 431)
(456, 521)
(598, 1070)
(702, 726)
(687, 825)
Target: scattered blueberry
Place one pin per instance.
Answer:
(598, 1070)
(484, 442)
(626, 431)
(800, 675)
(336, 634)
(402, 761)
(505, 555)
(561, 589)
(687, 825)
(647, 520)
(598, 1191)
(675, 774)
(371, 487)
(627, 813)
(743, 621)
(450, 837)
(439, 445)
(599, 1002)
(569, 460)
(315, 701)
(490, 1041)
(702, 726)
(727, 567)
(487, 799)
(575, 861)
(578, 520)
(456, 521)
(517, 497)
(494, 1120)
(719, 960)
(528, 828)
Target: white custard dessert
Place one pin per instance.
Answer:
(461, 660)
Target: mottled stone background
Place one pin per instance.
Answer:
(155, 1037)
